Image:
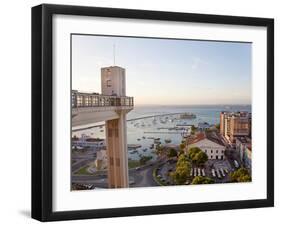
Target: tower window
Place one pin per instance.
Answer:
(108, 83)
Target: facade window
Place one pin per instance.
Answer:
(217, 157)
(211, 151)
(217, 151)
(108, 83)
(222, 151)
(205, 151)
(211, 157)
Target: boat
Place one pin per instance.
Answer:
(143, 137)
(133, 146)
(138, 139)
(168, 141)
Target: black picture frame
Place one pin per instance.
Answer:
(42, 107)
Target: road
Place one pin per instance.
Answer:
(79, 163)
(143, 177)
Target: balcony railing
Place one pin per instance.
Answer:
(97, 100)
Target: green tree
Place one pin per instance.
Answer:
(182, 146)
(202, 180)
(192, 152)
(144, 159)
(182, 171)
(197, 156)
(159, 149)
(200, 158)
(218, 126)
(240, 175)
(193, 128)
(172, 153)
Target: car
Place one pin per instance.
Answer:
(203, 173)
(213, 173)
(236, 164)
(138, 168)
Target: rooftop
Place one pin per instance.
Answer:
(212, 136)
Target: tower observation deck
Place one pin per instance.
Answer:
(110, 106)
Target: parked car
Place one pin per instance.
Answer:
(236, 164)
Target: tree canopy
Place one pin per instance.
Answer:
(240, 175)
(202, 180)
(197, 156)
(182, 146)
(172, 153)
(159, 149)
(182, 171)
(144, 159)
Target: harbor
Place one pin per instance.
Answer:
(149, 126)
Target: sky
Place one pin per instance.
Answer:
(166, 71)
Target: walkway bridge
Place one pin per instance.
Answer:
(88, 108)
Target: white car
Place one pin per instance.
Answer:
(236, 164)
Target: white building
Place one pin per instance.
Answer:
(209, 144)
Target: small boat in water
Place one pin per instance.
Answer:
(168, 141)
(138, 139)
(133, 151)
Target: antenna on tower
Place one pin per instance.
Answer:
(113, 54)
